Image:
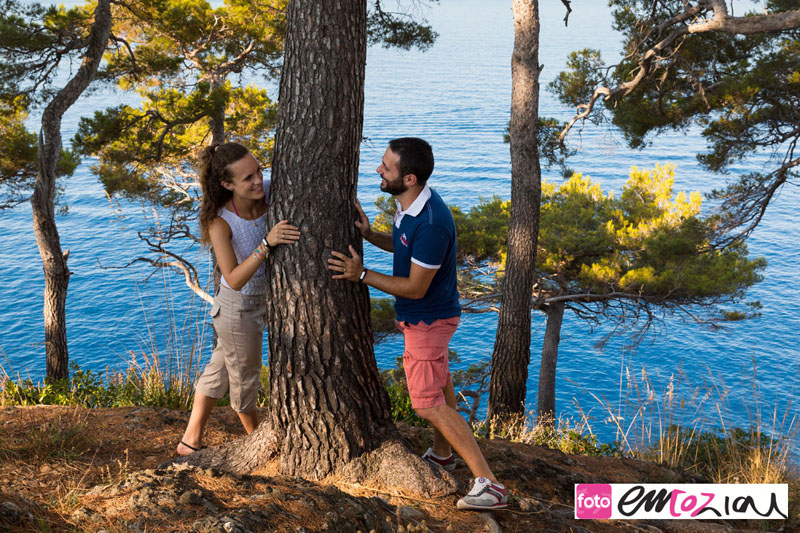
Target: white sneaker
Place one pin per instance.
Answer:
(448, 463)
(484, 496)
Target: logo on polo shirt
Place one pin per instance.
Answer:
(404, 240)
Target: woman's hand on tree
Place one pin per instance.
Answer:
(283, 233)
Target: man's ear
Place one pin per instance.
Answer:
(410, 179)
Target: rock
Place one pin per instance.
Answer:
(10, 512)
(204, 524)
(190, 497)
(690, 526)
(491, 524)
(648, 527)
(165, 500)
(210, 507)
(357, 508)
(137, 526)
(332, 490)
(97, 489)
(307, 502)
(563, 514)
(381, 501)
(529, 506)
(80, 515)
(45, 469)
(409, 513)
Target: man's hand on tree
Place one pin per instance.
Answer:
(349, 268)
(363, 222)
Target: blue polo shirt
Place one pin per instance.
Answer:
(425, 234)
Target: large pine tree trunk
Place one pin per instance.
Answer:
(325, 393)
(54, 261)
(546, 410)
(329, 411)
(512, 343)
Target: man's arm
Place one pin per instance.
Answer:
(413, 287)
(376, 238)
(381, 240)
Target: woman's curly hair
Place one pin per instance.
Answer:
(214, 161)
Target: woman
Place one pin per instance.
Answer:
(233, 221)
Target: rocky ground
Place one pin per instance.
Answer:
(74, 469)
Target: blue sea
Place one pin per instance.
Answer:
(457, 96)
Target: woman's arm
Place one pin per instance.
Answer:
(236, 274)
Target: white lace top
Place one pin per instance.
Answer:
(246, 236)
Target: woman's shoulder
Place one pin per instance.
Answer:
(219, 224)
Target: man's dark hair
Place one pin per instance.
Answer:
(416, 157)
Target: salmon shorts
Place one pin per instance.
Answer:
(235, 364)
(425, 360)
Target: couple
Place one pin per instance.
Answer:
(423, 242)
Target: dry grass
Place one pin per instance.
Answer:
(62, 437)
(563, 434)
(673, 427)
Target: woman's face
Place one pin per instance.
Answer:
(246, 180)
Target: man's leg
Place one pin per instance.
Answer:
(193, 436)
(453, 428)
(441, 446)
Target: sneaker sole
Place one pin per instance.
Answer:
(445, 468)
(464, 506)
(448, 468)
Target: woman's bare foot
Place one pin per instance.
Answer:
(186, 449)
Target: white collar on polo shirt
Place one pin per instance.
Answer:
(415, 208)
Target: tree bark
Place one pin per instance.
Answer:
(722, 21)
(512, 343)
(54, 261)
(218, 118)
(546, 411)
(326, 397)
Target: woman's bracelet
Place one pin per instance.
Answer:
(266, 243)
(260, 255)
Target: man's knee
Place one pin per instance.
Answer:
(423, 412)
(430, 413)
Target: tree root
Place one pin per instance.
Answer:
(394, 467)
(391, 466)
(240, 456)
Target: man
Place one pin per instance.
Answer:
(423, 241)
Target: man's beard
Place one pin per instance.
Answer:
(394, 187)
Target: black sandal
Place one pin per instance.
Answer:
(193, 448)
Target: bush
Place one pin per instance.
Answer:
(394, 380)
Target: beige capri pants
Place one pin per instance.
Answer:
(235, 364)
